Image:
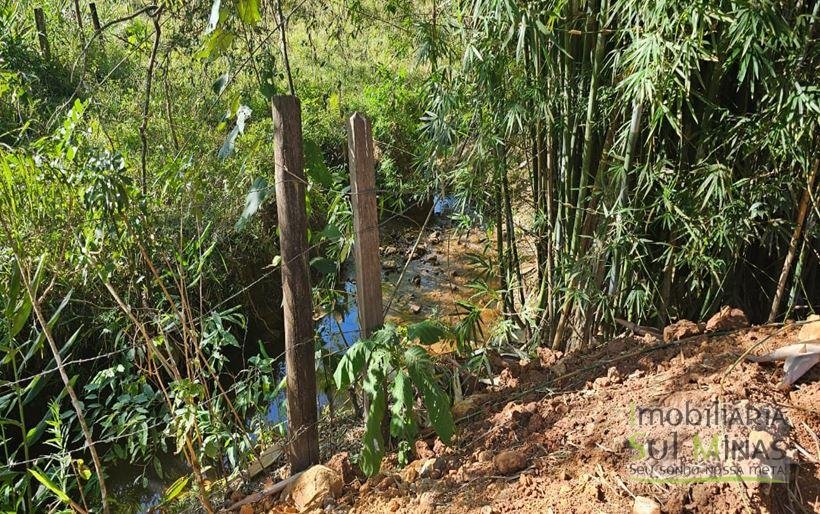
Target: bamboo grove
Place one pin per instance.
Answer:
(666, 148)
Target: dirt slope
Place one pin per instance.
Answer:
(553, 435)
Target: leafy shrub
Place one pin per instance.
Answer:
(390, 356)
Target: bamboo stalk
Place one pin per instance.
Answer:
(631, 139)
(798, 229)
(72, 394)
(589, 128)
(499, 246)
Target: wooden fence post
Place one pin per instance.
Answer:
(79, 15)
(365, 224)
(95, 19)
(42, 35)
(303, 448)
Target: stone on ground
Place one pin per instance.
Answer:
(681, 330)
(510, 461)
(340, 463)
(314, 487)
(811, 330)
(727, 318)
(644, 505)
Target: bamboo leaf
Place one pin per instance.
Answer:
(175, 489)
(50, 485)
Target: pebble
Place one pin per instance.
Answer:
(644, 505)
(485, 456)
(510, 461)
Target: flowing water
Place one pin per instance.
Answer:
(433, 283)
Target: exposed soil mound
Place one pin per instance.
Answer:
(554, 436)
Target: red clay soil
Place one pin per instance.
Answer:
(553, 435)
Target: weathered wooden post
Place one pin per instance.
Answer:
(42, 35)
(79, 16)
(303, 449)
(365, 224)
(95, 19)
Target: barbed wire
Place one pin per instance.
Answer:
(196, 319)
(251, 371)
(12, 383)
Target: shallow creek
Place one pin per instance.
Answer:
(437, 277)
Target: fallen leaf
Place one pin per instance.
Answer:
(799, 358)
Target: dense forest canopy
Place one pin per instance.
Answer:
(640, 160)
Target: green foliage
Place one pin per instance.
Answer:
(663, 145)
(390, 357)
(156, 215)
(50, 485)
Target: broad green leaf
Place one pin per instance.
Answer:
(323, 265)
(253, 200)
(373, 441)
(331, 232)
(33, 388)
(427, 332)
(33, 435)
(351, 364)
(387, 336)
(415, 356)
(402, 422)
(249, 11)
(435, 399)
(176, 488)
(21, 315)
(215, 44)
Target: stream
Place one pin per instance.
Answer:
(437, 277)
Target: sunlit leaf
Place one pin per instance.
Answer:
(249, 11)
(50, 485)
(242, 114)
(220, 83)
(427, 331)
(175, 489)
(253, 200)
